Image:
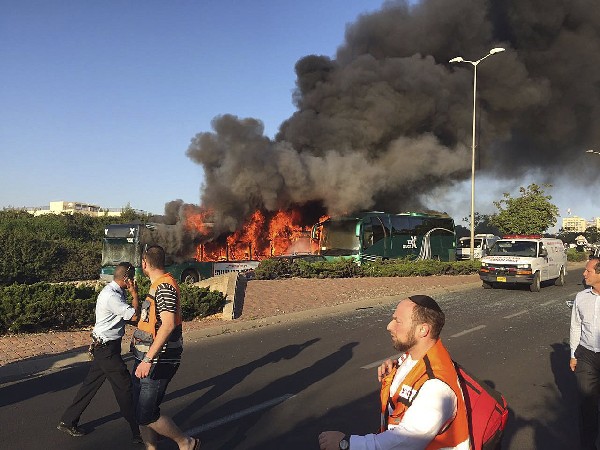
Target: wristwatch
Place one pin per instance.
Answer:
(345, 442)
(146, 360)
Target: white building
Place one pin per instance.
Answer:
(60, 207)
(579, 224)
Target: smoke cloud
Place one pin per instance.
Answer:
(387, 122)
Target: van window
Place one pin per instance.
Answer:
(466, 243)
(514, 248)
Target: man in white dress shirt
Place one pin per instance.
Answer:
(437, 416)
(585, 352)
(112, 310)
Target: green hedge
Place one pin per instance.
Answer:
(427, 267)
(43, 306)
(575, 256)
(343, 268)
(52, 247)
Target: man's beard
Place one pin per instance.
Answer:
(409, 343)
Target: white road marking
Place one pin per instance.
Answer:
(238, 415)
(378, 363)
(516, 314)
(470, 330)
(548, 303)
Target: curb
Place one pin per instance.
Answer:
(44, 365)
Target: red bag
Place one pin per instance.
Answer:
(487, 411)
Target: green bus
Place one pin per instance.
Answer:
(125, 242)
(374, 235)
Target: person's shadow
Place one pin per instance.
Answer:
(224, 382)
(562, 432)
(283, 387)
(220, 384)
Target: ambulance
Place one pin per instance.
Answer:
(524, 259)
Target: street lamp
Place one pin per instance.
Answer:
(460, 59)
(593, 151)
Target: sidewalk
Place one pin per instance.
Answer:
(265, 302)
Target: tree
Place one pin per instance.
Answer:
(531, 213)
(128, 214)
(568, 237)
(482, 225)
(592, 235)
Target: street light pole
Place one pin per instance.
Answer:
(459, 59)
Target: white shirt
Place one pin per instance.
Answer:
(434, 407)
(585, 321)
(111, 312)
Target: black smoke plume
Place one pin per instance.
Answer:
(388, 120)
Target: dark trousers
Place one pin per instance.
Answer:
(107, 363)
(587, 373)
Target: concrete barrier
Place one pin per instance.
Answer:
(227, 284)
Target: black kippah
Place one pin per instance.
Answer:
(425, 301)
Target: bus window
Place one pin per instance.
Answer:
(338, 238)
(367, 237)
(380, 228)
(417, 226)
(400, 225)
(432, 223)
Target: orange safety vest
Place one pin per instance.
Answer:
(149, 325)
(438, 364)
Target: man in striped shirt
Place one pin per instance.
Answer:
(585, 352)
(157, 345)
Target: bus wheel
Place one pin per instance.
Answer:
(189, 277)
(536, 285)
(560, 281)
(487, 285)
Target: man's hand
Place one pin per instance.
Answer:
(573, 364)
(385, 368)
(131, 285)
(143, 369)
(330, 440)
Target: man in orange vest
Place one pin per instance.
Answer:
(422, 405)
(157, 345)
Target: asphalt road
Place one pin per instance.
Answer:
(278, 387)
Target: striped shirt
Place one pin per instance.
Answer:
(585, 321)
(167, 301)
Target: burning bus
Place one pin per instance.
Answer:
(196, 251)
(126, 242)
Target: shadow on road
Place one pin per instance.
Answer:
(35, 365)
(289, 385)
(53, 382)
(561, 432)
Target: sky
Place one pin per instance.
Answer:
(100, 100)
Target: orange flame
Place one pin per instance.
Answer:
(197, 220)
(260, 237)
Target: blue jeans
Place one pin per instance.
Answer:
(148, 393)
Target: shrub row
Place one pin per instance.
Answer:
(575, 256)
(342, 268)
(52, 247)
(43, 306)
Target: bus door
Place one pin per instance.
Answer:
(374, 238)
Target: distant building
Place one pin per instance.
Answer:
(60, 207)
(579, 224)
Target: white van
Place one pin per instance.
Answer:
(481, 245)
(524, 259)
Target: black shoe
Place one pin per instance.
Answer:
(73, 430)
(137, 439)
